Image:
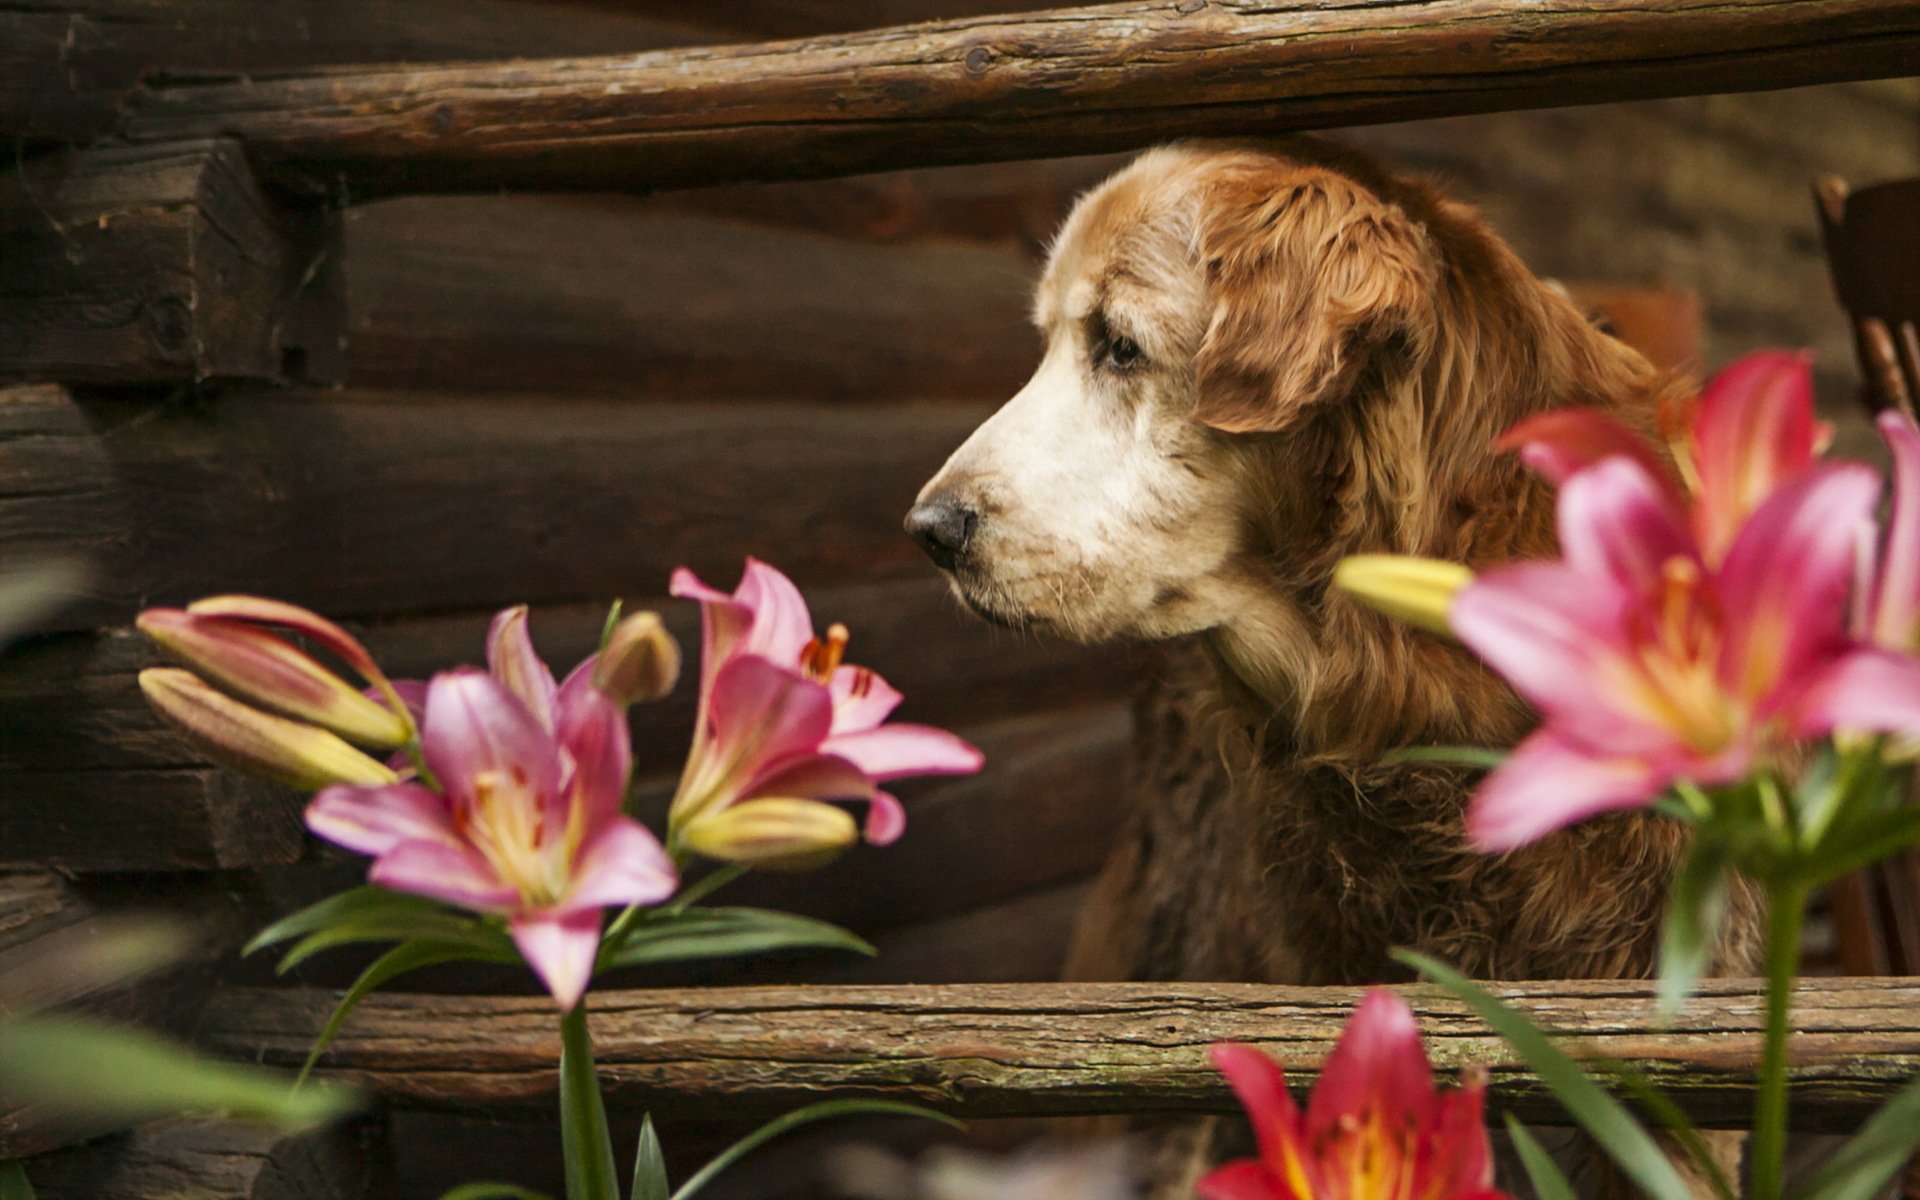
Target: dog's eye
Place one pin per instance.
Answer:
(1124, 353)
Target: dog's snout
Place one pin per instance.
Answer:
(943, 530)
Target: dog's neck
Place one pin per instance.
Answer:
(1407, 465)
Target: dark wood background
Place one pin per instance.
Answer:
(557, 399)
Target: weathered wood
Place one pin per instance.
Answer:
(214, 1162)
(195, 818)
(1062, 1049)
(162, 264)
(359, 504)
(66, 65)
(572, 294)
(1071, 81)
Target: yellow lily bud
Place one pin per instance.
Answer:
(250, 661)
(1418, 591)
(258, 743)
(776, 833)
(641, 660)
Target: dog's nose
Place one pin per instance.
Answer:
(943, 530)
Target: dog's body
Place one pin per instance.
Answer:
(1260, 360)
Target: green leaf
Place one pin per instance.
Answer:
(1542, 1172)
(1690, 932)
(1600, 1114)
(1872, 1157)
(13, 1182)
(724, 933)
(492, 1191)
(364, 905)
(483, 943)
(1464, 756)
(407, 956)
(1668, 1116)
(1865, 840)
(94, 1071)
(649, 1165)
(793, 1120)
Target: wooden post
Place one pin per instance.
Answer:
(163, 264)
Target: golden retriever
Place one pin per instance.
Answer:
(1259, 359)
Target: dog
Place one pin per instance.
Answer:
(1260, 358)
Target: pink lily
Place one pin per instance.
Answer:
(783, 718)
(1752, 432)
(1892, 615)
(526, 822)
(1375, 1128)
(1651, 666)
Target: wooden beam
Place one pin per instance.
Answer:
(232, 1162)
(163, 264)
(1061, 1049)
(1070, 81)
(362, 504)
(191, 818)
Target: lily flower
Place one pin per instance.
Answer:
(1892, 616)
(783, 717)
(527, 821)
(257, 743)
(1375, 1128)
(1418, 591)
(1651, 666)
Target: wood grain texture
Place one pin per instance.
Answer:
(162, 264)
(1070, 81)
(1061, 1049)
(227, 1162)
(185, 819)
(364, 504)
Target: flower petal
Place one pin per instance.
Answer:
(513, 661)
(622, 864)
(811, 777)
(1865, 691)
(1548, 783)
(861, 699)
(1754, 431)
(1378, 1066)
(1896, 593)
(451, 873)
(724, 623)
(592, 726)
(1566, 441)
(782, 626)
(307, 624)
(1243, 1180)
(373, 820)
(892, 751)
(1787, 578)
(1463, 1158)
(763, 713)
(886, 820)
(475, 725)
(561, 947)
(1261, 1087)
(1617, 520)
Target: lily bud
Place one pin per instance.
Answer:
(1418, 591)
(258, 743)
(775, 833)
(270, 671)
(641, 660)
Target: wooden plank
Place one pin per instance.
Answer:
(70, 702)
(571, 294)
(362, 504)
(231, 1162)
(161, 820)
(1071, 81)
(66, 65)
(162, 264)
(1060, 1049)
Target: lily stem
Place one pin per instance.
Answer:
(584, 1138)
(1785, 917)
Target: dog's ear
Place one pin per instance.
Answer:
(1311, 276)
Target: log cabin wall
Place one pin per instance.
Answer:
(558, 399)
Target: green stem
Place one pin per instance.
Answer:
(1784, 920)
(583, 1116)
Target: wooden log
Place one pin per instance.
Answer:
(1071, 81)
(363, 504)
(572, 294)
(227, 1162)
(162, 264)
(1061, 1049)
(184, 819)
(66, 65)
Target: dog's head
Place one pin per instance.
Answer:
(1198, 304)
